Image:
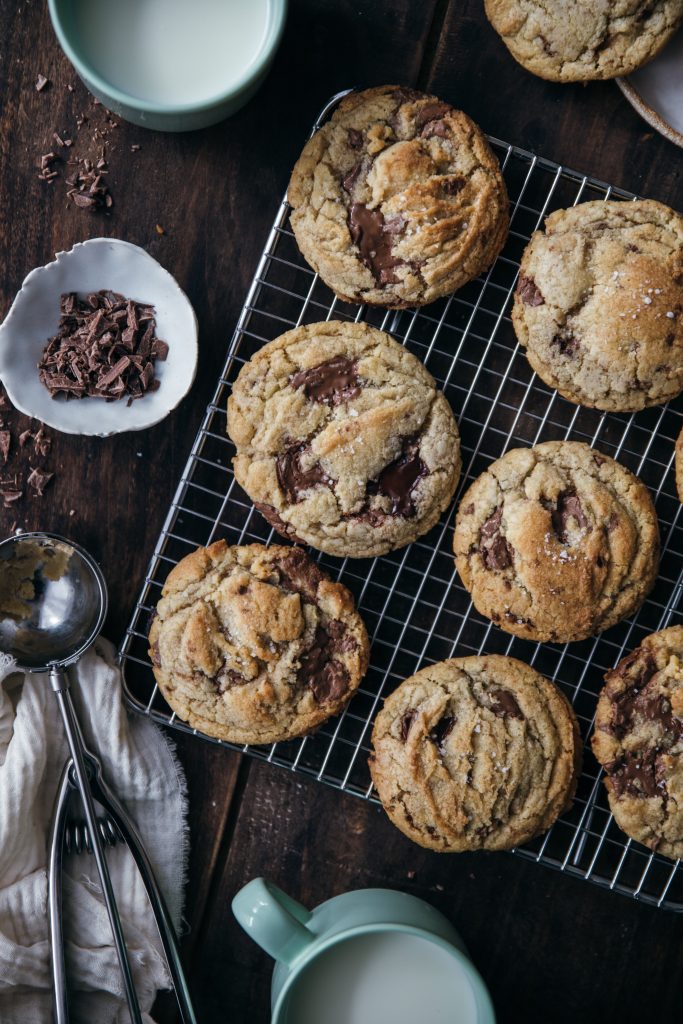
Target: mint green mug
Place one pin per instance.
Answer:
(364, 956)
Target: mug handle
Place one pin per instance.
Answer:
(273, 920)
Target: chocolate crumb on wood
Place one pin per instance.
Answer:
(39, 481)
(41, 83)
(105, 347)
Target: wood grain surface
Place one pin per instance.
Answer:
(551, 949)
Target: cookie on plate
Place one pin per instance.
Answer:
(678, 465)
(599, 304)
(557, 542)
(638, 740)
(477, 753)
(579, 40)
(398, 199)
(343, 440)
(254, 644)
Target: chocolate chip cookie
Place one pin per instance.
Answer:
(579, 40)
(475, 754)
(557, 542)
(638, 740)
(343, 440)
(398, 199)
(254, 644)
(678, 465)
(599, 304)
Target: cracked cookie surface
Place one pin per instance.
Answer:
(578, 40)
(599, 304)
(398, 199)
(343, 440)
(557, 542)
(638, 740)
(254, 644)
(476, 753)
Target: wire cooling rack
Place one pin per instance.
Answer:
(414, 606)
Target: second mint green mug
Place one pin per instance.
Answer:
(365, 956)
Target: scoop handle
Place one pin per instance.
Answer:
(60, 685)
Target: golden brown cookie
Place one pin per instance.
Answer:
(599, 304)
(578, 40)
(475, 754)
(557, 542)
(343, 440)
(254, 644)
(398, 199)
(638, 740)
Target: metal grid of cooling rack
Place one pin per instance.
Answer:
(414, 606)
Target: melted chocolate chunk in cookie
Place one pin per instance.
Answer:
(496, 551)
(276, 521)
(374, 237)
(568, 507)
(335, 381)
(328, 679)
(504, 705)
(429, 120)
(442, 730)
(398, 480)
(636, 775)
(300, 574)
(293, 478)
(529, 292)
(406, 722)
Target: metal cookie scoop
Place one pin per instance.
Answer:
(53, 601)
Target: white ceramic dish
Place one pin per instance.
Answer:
(656, 91)
(34, 317)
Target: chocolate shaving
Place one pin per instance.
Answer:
(442, 729)
(105, 347)
(5, 443)
(41, 83)
(39, 481)
(496, 551)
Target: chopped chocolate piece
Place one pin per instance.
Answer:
(159, 230)
(442, 729)
(41, 83)
(155, 654)
(374, 238)
(355, 138)
(404, 94)
(293, 478)
(10, 495)
(5, 443)
(407, 720)
(529, 292)
(451, 186)
(635, 775)
(104, 347)
(300, 574)
(334, 381)
(398, 480)
(39, 481)
(504, 705)
(327, 679)
(568, 507)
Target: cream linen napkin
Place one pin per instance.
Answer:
(142, 770)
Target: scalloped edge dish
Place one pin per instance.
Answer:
(655, 91)
(98, 263)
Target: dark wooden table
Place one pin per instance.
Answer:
(551, 949)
